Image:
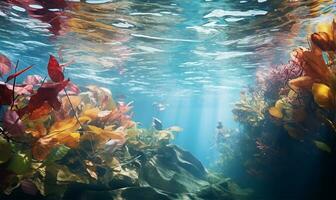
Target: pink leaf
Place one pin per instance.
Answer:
(33, 80)
(13, 124)
(5, 65)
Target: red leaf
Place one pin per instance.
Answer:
(10, 77)
(48, 92)
(5, 65)
(55, 71)
(6, 95)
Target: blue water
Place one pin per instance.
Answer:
(190, 59)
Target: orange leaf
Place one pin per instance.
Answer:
(38, 131)
(42, 147)
(40, 112)
(68, 125)
(71, 140)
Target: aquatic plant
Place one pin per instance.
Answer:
(61, 142)
(51, 128)
(291, 117)
(250, 109)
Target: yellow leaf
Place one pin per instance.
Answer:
(68, 139)
(322, 95)
(69, 125)
(91, 112)
(279, 104)
(275, 112)
(95, 129)
(325, 27)
(75, 101)
(115, 135)
(84, 119)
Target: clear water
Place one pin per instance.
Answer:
(184, 62)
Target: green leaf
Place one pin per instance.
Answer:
(5, 150)
(57, 153)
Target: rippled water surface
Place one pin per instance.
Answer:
(182, 61)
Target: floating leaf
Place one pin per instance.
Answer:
(322, 146)
(55, 71)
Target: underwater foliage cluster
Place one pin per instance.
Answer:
(59, 141)
(54, 134)
(288, 121)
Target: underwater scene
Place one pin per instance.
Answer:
(167, 99)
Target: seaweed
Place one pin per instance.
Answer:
(288, 122)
